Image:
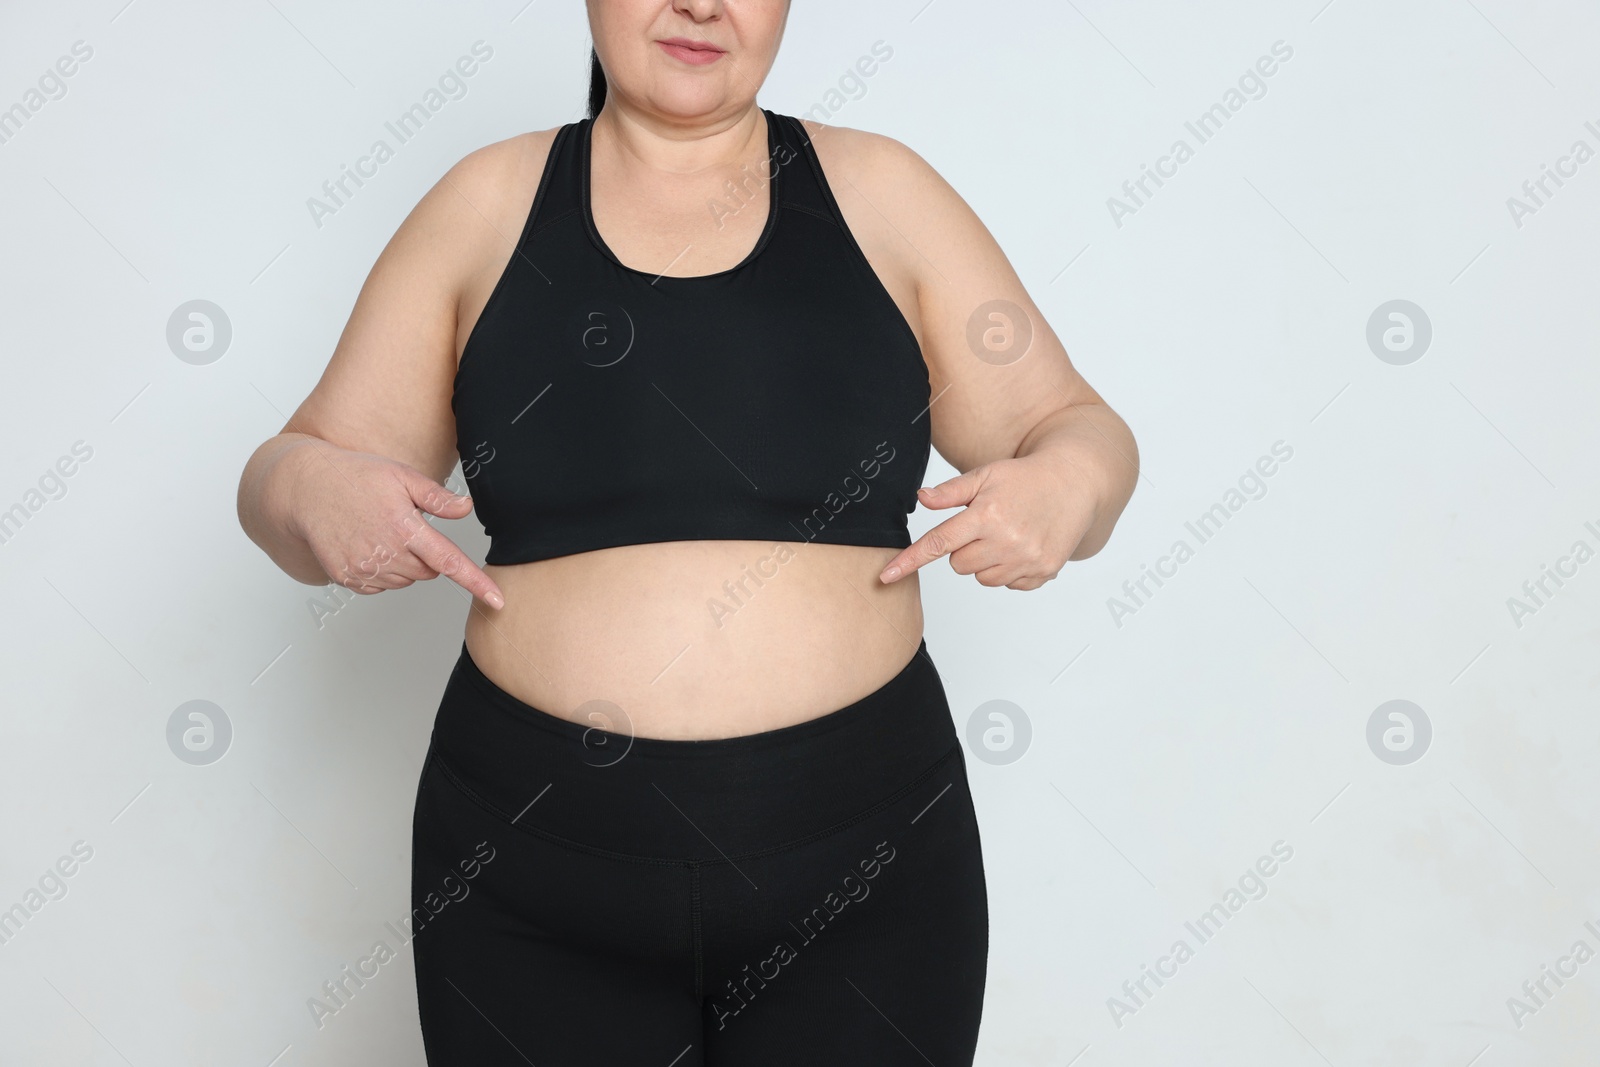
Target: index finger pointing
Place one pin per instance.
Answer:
(441, 553)
(944, 538)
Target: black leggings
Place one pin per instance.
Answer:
(808, 895)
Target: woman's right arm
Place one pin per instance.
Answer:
(342, 492)
(266, 505)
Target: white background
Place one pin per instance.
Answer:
(1228, 713)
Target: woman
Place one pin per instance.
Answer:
(694, 794)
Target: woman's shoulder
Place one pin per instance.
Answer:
(881, 168)
(503, 166)
(461, 229)
(887, 190)
(493, 185)
(860, 151)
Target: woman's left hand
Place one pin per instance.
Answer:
(1024, 519)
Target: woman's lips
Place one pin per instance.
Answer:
(696, 53)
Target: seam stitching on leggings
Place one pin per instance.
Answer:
(579, 846)
(694, 926)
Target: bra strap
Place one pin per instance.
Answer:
(560, 188)
(804, 185)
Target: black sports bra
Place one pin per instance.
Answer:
(783, 399)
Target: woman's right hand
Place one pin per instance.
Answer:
(362, 517)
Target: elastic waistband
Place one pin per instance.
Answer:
(684, 800)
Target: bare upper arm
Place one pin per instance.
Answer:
(947, 272)
(387, 387)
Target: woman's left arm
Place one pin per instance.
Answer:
(1047, 466)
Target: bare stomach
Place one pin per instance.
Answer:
(698, 639)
